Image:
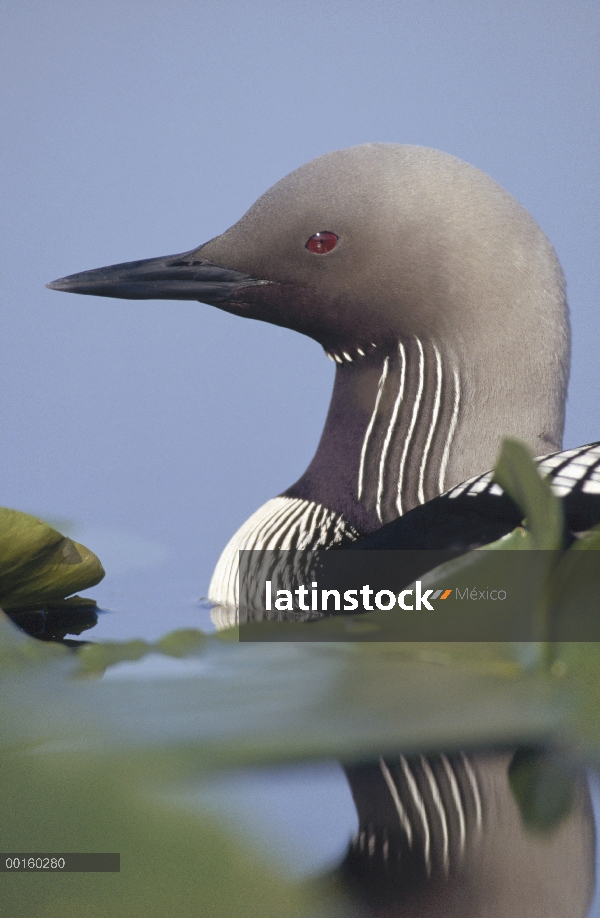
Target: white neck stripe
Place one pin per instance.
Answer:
(363, 451)
(402, 814)
(438, 804)
(451, 432)
(457, 802)
(391, 427)
(411, 428)
(420, 806)
(433, 425)
(474, 788)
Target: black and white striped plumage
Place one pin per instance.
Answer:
(478, 511)
(406, 446)
(438, 807)
(467, 516)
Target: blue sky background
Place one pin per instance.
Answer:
(133, 129)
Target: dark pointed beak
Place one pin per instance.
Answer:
(174, 277)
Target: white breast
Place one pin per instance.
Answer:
(282, 524)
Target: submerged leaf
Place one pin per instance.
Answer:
(543, 786)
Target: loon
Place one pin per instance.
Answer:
(443, 306)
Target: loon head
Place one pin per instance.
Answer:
(438, 296)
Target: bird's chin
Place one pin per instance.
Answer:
(299, 308)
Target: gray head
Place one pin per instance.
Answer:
(431, 256)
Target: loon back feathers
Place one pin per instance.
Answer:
(478, 511)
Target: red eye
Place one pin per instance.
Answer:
(321, 243)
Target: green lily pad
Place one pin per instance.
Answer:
(38, 564)
(94, 659)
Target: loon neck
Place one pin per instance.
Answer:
(389, 433)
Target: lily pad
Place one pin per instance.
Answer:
(94, 659)
(38, 564)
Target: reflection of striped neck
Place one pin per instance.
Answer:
(387, 440)
(416, 813)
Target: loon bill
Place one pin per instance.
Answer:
(442, 305)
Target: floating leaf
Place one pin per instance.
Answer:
(18, 651)
(38, 564)
(95, 658)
